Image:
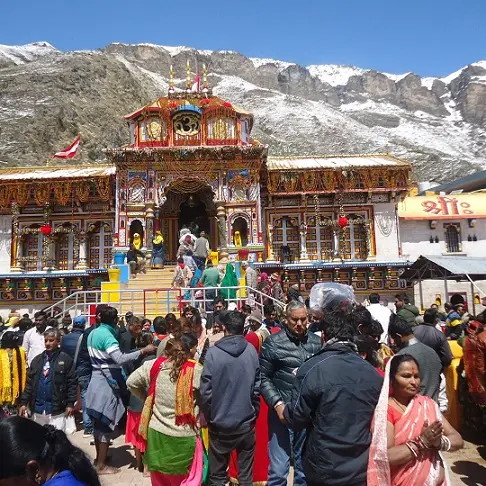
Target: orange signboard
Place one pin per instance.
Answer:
(451, 206)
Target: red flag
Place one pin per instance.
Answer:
(70, 152)
(197, 84)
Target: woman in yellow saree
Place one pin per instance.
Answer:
(408, 432)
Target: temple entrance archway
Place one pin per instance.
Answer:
(194, 206)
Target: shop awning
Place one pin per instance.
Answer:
(446, 267)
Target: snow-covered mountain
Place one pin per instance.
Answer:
(48, 97)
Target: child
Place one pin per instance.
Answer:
(135, 406)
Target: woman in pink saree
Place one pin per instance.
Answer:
(408, 432)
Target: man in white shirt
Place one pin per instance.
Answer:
(381, 314)
(34, 338)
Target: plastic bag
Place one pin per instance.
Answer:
(70, 425)
(331, 296)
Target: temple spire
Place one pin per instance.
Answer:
(188, 76)
(205, 86)
(171, 79)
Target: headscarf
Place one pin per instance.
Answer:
(137, 241)
(158, 238)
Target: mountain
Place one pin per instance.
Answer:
(47, 97)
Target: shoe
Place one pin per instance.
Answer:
(87, 435)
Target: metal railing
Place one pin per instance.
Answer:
(152, 302)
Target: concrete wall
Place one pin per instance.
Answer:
(5, 242)
(415, 236)
(386, 232)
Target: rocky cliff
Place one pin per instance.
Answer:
(47, 97)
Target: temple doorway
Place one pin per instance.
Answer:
(193, 215)
(183, 208)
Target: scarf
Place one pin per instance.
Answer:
(12, 375)
(424, 471)
(158, 239)
(184, 406)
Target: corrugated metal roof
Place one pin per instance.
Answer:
(438, 267)
(48, 173)
(335, 162)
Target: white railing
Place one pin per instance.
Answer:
(152, 302)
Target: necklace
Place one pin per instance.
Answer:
(400, 405)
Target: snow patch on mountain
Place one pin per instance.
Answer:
(257, 62)
(334, 74)
(27, 52)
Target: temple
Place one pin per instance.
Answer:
(191, 160)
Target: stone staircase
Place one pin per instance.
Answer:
(144, 287)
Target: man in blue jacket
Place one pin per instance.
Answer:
(230, 399)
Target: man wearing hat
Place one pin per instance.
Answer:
(70, 341)
(250, 275)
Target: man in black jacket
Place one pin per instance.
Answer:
(51, 386)
(230, 399)
(282, 355)
(429, 335)
(334, 398)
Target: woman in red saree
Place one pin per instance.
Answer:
(408, 432)
(256, 338)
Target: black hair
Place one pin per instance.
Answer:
(100, 308)
(145, 320)
(399, 326)
(367, 345)
(25, 324)
(361, 317)
(23, 440)
(10, 339)
(447, 306)
(40, 315)
(268, 309)
(52, 322)
(144, 339)
(338, 325)
(246, 308)
(161, 326)
(109, 315)
(220, 300)
(180, 260)
(430, 316)
(374, 298)
(396, 361)
(188, 341)
(234, 323)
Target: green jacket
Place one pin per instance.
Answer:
(408, 313)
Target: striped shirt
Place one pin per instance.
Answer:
(104, 349)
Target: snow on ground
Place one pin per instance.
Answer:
(334, 74)
(27, 52)
(396, 77)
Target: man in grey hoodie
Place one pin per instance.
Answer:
(230, 400)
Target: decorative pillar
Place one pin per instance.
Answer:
(83, 251)
(270, 246)
(149, 225)
(304, 257)
(336, 244)
(223, 235)
(16, 250)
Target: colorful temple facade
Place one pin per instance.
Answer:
(191, 159)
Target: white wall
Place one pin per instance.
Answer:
(385, 229)
(415, 236)
(5, 242)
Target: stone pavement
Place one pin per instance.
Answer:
(467, 467)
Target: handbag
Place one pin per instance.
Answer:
(150, 400)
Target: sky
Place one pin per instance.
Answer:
(427, 37)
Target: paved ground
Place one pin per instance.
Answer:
(467, 467)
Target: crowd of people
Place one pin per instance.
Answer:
(348, 394)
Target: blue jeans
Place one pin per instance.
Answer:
(83, 385)
(282, 442)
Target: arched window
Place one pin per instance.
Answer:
(99, 245)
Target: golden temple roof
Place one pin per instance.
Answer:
(15, 174)
(335, 162)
